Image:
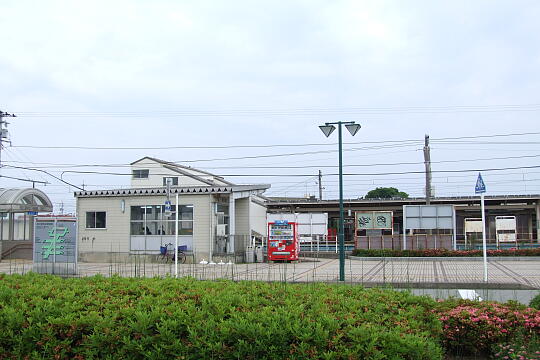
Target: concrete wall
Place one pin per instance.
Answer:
(98, 244)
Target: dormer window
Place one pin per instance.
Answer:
(140, 174)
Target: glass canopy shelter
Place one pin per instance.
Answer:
(17, 209)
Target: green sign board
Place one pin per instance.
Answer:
(55, 245)
(373, 220)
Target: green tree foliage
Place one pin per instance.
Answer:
(535, 302)
(386, 193)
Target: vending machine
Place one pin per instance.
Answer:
(282, 241)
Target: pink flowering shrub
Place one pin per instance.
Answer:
(443, 253)
(473, 327)
(505, 352)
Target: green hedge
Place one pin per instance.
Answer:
(442, 253)
(535, 302)
(46, 317)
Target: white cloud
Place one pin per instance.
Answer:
(128, 55)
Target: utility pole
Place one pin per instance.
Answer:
(320, 185)
(427, 162)
(4, 134)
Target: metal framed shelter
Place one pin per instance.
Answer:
(25, 201)
(525, 208)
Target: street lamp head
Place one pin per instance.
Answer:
(327, 129)
(353, 128)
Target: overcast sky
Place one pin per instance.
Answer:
(218, 73)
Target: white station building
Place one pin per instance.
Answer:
(216, 218)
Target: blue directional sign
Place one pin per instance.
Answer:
(167, 205)
(480, 186)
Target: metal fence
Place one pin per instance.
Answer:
(440, 241)
(318, 263)
(315, 267)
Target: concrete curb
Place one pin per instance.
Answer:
(464, 258)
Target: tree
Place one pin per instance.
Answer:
(386, 193)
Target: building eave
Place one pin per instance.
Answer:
(162, 191)
(409, 201)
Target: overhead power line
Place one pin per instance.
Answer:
(68, 166)
(307, 111)
(287, 175)
(206, 147)
(21, 179)
(45, 172)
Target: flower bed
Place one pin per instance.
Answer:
(490, 328)
(442, 253)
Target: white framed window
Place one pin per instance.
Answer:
(140, 173)
(173, 178)
(151, 220)
(96, 220)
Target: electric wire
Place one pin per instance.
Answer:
(220, 147)
(295, 175)
(311, 111)
(157, 166)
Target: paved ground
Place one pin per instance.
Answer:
(524, 274)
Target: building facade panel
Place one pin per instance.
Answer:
(258, 218)
(118, 236)
(242, 216)
(156, 174)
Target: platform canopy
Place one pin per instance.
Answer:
(17, 200)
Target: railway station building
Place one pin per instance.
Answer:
(511, 221)
(216, 218)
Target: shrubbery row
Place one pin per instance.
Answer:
(46, 317)
(442, 253)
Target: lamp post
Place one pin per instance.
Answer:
(327, 129)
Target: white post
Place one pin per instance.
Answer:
(176, 241)
(213, 223)
(484, 238)
(454, 235)
(404, 227)
(537, 222)
(232, 223)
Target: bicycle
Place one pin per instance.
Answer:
(168, 254)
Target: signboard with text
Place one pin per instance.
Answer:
(429, 217)
(374, 220)
(55, 245)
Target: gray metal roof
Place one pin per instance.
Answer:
(23, 200)
(179, 168)
(297, 201)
